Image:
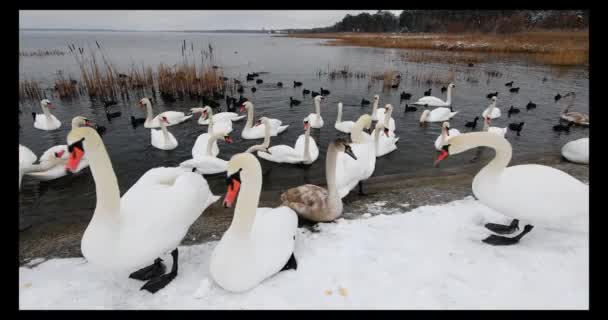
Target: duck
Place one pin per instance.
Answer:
(137, 121)
(512, 110)
(343, 126)
(533, 192)
(428, 92)
(573, 116)
(208, 163)
(492, 94)
(305, 92)
(315, 203)
(294, 102)
(314, 94)
(112, 115)
(173, 117)
(240, 89)
(364, 102)
(385, 141)
(495, 130)
(297, 84)
(305, 150)
(409, 108)
(217, 117)
(437, 115)
(260, 242)
(445, 136)
(280, 84)
(45, 120)
(314, 119)
(405, 96)
(164, 203)
(472, 124)
(560, 127)
(324, 91)
(350, 172)
(254, 89)
(577, 151)
(259, 81)
(514, 89)
(516, 127)
(557, 97)
(531, 105)
(443, 89)
(163, 139)
(257, 132)
(436, 102)
(509, 84)
(491, 111)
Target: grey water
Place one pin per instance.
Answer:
(72, 198)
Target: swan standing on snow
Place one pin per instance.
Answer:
(446, 134)
(491, 111)
(313, 202)
(384, 143)
(343, 126)
(218, 117)
(436, 102)
(577, 151)
(150, 219)
(46, 121)
(314, 119)
(573, 116)
(250, 132)
(174, 117)
(495, 130)
(260, 242)
(209, 163)
(534, 192)
(351, 172)
(305, 150)
(163, 139)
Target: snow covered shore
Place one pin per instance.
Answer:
(428, 258)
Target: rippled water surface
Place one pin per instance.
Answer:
(285, 59)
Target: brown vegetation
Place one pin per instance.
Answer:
(41, 53)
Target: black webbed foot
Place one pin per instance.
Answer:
(291, 263)
(502, 228)
(506, 241)
(152, 271)
(157, 283)
(361, 193)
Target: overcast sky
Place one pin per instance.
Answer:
(182, 19)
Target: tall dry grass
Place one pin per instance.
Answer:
(434, 77)
(30, 89)
(41, 53)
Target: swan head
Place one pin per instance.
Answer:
(206, 111)
(81, 140)
(306, 125)
(246, 106)
(380, 127)
(80, 121)
(46, 103)
(446, 126)
(388, 107)
(239, 164)
(424, 115)
(318, 98)
(451, 85)
(340, 105)
(365, 120)
(144, 102)
(227, 138)
(196, 110)
(163, 120)
(342, 145)
(461, 143)
(494, 98)
(376, 97)
(262, 120)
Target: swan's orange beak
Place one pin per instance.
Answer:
(204, 114)
(444, 154)
(228, 139)
(233, 189)
(242, 108)
(59, 154)
(50, 105)
(386, 131)
(76, 153)
(306, 125)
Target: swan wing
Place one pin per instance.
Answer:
(308, 201)
(577, 150)
(345, 126)
(174, 117)
(430, 101)
(206, 165)
(280, 154)
(26, 156)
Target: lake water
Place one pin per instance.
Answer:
(72, 198)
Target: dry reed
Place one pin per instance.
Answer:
(30, 89)
(41, 53)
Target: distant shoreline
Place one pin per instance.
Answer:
(178, 31)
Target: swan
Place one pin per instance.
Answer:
(174, 117)
(46, 121)
(351, 172)
(260, 242)
(264, 145)
(491, 111)
(209, 163)
(305, 150)
(214, 125)
(436, 102)
(218, 117)
(387, 120)
(538, 193)
(163, 139)
(27, 159)
(577, 151)
(151, 218)
(437, 115)
(250, 132)
(314, 119)
(313, 202)
(573, 116)
(384, 143)
(445, 136)
(495, 130)
(343, 126)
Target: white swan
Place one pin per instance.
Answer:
(538, 193)
(573, 116)
(305, 150)
(446, 134)
(260, 241)
(343, 126)
(218, 117)
(313, 202)
(150, 219)
(495, 130)
(314, 119)
(209, 163)
(215, 126)
(163, 139)
(377, 114)
(387, 120)
(27, 159)
(351, 172)
(436, 102)
(264, 145)
(384, 143)
(437, 115)
(46, 121)
(491, 111)
(174, 117)
(250, 132)
(577, 151)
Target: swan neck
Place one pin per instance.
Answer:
(387, 118)
(375, 108)
(248, 199)
(317, 107)
(46, 112)
(149, 113)
(449, 99)
(163, 127)
(501, 159)
(266, 142)
(339, 118)
(249, 123)
(335, 201)
(106, 184)
(212, 139)
(356, 134)
(307, 144)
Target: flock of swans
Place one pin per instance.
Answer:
(260, 242)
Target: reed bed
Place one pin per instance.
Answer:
(434, 77)
(444, 57)
(66, 87)
(388, 78)
(341, 72)
(30, 89)
(41, 53)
